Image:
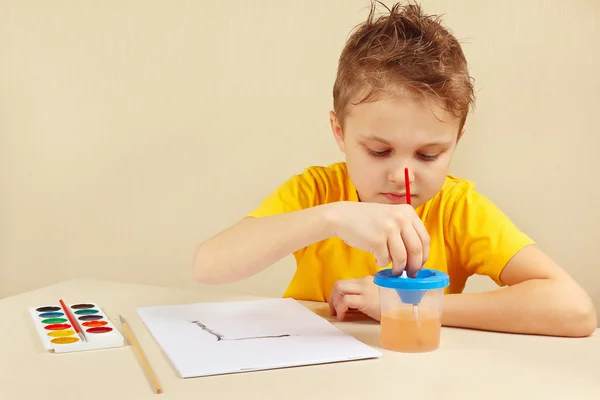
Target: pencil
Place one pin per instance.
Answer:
(74, 323)
(140, 355)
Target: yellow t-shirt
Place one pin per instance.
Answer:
(469, 234)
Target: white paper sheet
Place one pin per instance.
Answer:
(218, 338)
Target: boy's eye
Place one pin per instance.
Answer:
(378, 153)
(427, 157)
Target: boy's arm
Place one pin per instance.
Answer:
(540, 298)
(287, 220)
(253, 244)
(393, 233)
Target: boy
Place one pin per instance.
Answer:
(401, 98)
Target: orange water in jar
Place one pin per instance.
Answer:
(400, 331)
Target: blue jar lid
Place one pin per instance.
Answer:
(426, 279)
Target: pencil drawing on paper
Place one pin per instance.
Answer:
(221, 337)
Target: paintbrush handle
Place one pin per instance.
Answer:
(72, 320)
(141, 356)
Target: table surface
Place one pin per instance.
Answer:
(468, 365)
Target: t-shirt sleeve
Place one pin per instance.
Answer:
(481, 237)
(297, 193)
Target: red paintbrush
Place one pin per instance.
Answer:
(74, 323)
(407, 185)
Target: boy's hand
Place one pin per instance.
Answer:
(393, 233)
(359, 294)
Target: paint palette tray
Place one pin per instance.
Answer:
(59, 336)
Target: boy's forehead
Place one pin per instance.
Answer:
(422, 141)
(401, 112)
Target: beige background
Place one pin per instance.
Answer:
(132, 130)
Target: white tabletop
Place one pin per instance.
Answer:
(469, 364)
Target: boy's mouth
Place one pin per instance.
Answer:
(397, 198)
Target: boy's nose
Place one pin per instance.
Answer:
(396, 175)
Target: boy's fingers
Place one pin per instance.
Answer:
(346, 303)
(340, 289)
(423, 236)
(345, 295)
(382, 255)
(414, 251)
(336, 305)
(332, 311)
(353, 301)
(347, 286)
(398, 252)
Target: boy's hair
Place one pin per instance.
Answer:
(403, 51)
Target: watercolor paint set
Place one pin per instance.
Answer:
(75, 327)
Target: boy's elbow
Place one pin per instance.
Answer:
(202, 268)
(200, 275)
(583, 321)
(589, 321)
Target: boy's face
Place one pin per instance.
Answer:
(383, 137)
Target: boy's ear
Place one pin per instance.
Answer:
(337, 131)
(462, 131)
